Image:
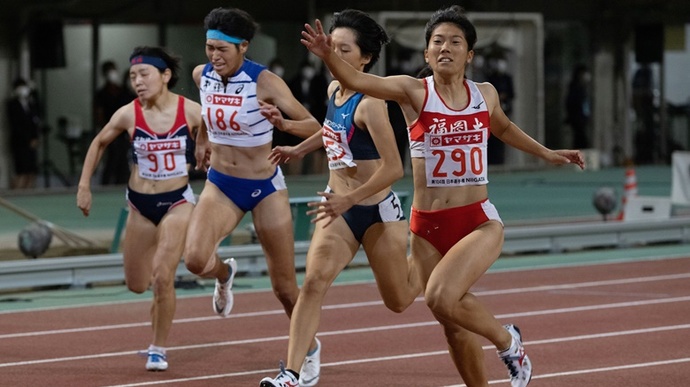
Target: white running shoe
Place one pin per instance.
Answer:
(519, 365)
(311, 368)
(156, 361)
(223, 299)
(284, 379)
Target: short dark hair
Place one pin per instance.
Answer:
(232, 22)
(18, 82)
(173, 62)
(107, 66)
(369, 35)
(454, 14)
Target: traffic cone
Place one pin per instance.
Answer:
(629, 190)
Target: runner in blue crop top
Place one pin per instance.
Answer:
(358, 207)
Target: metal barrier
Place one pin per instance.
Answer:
(301, 221)
(87, 270)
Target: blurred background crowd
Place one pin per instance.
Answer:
(606, 77)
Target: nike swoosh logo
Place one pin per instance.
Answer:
(477, 106)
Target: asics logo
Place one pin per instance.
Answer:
(239, 89)
(477, 106)
(161, 204)
(256, 193)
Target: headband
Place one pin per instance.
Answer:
(149, 60)
(216, 34)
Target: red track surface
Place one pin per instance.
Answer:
(622, 324)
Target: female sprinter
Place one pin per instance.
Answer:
(161, 126)
(237, 134)
(358, 207)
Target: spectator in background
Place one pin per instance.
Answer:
(503, 82)
(25, 123)
(309, 87)
(643, 104)
(276, 67)
(110, 97)
(577, 105)
(280, 138)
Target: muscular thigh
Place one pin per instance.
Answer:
(138, 250)
(386, 246)
(273, 224)
(425, 256)
(330, 251)
(214, 217)
(469, 258)
(171, 236)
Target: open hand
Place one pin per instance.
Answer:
(316, 40)
(331, 208)
(272, 114)
(283, 154)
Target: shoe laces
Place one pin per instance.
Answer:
(154, 354)
(510, 363)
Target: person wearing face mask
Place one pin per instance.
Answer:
(110, 97)
(309, 86)
(281, 138)
(503, 82)
(577, 105)
(24, 120)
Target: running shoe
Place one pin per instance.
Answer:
(519, 365)
(223, 299)
(157, 361)
(311, 368)
(284, 379)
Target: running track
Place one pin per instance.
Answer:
(605, 324)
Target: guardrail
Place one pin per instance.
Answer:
(86, 270)
(298, 206)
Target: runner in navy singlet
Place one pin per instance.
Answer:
(358, 207)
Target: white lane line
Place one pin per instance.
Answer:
(445, 353)
(376, 303)
(594, 370)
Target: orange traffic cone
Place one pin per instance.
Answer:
(630, 190)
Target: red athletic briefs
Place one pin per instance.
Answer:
(444, 228)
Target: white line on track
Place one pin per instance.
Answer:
(445, 352)
(544, 288)
(594, 370)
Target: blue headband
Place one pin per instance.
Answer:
(150, 60)
(215, 34)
